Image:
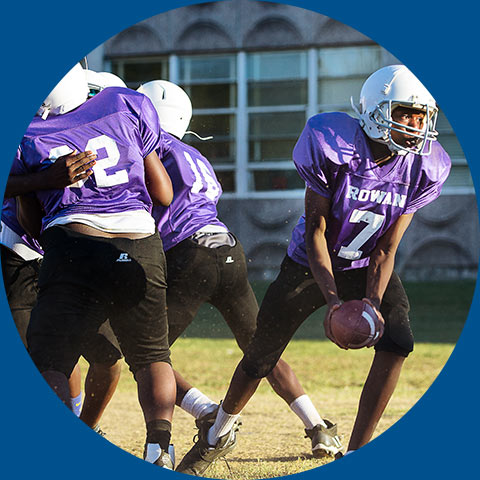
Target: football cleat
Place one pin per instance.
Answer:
(98, 430)
(154, 454)
(325, 441)
(202, 455)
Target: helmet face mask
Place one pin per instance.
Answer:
(98, 81)
(382, 116)
(385, 90)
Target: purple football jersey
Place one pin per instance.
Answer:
(122, 127)
(196, 191)
(333, 156)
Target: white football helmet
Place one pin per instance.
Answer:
(97, 81)
(382, 92)
(173, 105)
(69, 93)
(112, 80)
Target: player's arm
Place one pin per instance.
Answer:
(66, 171)
(157, 180)
(317, 209)
(382, 260)
(30, 214)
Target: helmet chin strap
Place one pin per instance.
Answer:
(354, 107)
(198, 136)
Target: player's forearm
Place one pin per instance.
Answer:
(157, 180)
(22, 184)
(321, 264)
(382, 260)
(380, 270)
(29, 215)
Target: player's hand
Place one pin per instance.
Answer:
(69, 169)
(376, 309)
(326, 323)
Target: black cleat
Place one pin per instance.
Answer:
(202, 455)
(325, 441)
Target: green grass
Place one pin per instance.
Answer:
(333, 378)
(438, 313)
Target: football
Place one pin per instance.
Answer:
(356, 325)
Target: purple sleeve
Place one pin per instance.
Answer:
(149, 127)
(431, 181)
(310, 162)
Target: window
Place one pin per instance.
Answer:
(341, 73)
(255, 106)
(210, 81)
(136, 71)
(277, 98)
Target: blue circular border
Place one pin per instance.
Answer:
(40, 43)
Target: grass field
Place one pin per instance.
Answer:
(271, 440)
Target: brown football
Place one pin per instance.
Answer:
(356, 325)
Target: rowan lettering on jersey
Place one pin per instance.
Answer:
(366, 199)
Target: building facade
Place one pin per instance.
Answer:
(256, 71)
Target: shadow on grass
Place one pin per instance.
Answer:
(272, 459)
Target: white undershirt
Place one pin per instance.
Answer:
(134, 221)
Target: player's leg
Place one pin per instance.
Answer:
(191, 279)
(390, 354)
(100, 384)
(21, 286)
(62, 319)
(289, 300)
(75, 387)
(237, 303)
(377, 391)
(20, 278)
(103, 355)
(69, 309)
(140, 324)
(278, 320)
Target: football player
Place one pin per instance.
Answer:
(21, 256)
(365, 179)
(206, 263)
(102, 255)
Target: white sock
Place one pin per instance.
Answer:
(197, 404)
(306, 411)
(223, 424)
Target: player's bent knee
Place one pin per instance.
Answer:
(137, 364)
(256, 369)
(398, 336)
